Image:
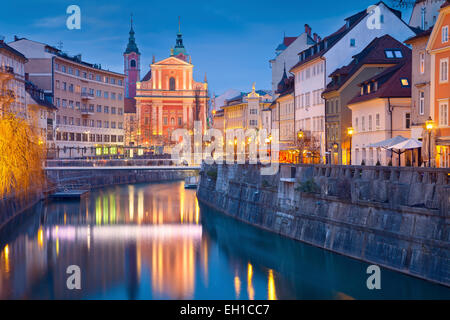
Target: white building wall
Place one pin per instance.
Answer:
(290, 57)
(339, 55)
(431, 13)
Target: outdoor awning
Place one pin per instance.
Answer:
(386, 144)
(407, 145)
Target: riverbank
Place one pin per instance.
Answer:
(397, 218)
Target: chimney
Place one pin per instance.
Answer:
(308, 29)
(16, 38)
(315, 37)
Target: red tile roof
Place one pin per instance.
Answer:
(332, 39)
(389, 83)
(373, 53)
(288, 41)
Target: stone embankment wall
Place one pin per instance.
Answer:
(398, 218)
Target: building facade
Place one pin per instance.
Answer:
(425, 13)
(245, 111)
(12, 70)
(286, 54)
(381, 111)
(90, 100)
(169, 98)
(439, 48)
(335, 50)
(380, 54)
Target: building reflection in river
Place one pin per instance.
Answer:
(134, 229)
(153, 242)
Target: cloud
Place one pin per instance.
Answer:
(50, 22)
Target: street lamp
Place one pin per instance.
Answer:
(429, 124)
(300, 135)
(350, 132)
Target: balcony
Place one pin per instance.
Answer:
(86, 112)
(87, 96)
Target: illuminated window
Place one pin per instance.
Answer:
(404, 82)
(422, 62)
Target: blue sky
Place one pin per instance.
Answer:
(232, 41)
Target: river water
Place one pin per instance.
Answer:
(154, 241)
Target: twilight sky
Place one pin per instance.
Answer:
(232, 41)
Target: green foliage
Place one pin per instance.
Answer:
(212, 173)
(308, 186)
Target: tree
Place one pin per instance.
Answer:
(308, 146)
(403, 3)
(21, 151)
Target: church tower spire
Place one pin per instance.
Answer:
(179, 46)
(132, 47)
(132, 64)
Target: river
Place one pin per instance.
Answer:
(154, 241)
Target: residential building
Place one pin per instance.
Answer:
(335, 50)
(90, 100)
(218, 120)
(382, 53)
(284, 114)
(286, 54)
(424, 16)
(439, 48)
(41, 114)
(169, 98)
(425, 13)
(245, 110)
(382, 111)
(12, 70)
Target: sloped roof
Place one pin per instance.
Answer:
(3, 45)
(320, 49)
(389, 83)
(148, 76)
(373, 53)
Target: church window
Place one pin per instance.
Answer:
(172, 83)
(133, 63)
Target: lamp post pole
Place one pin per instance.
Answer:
(350, 132)
(429, 124)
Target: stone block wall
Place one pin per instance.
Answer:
(394, 217)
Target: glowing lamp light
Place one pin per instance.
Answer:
(429, 124)
(300, 135)
(350, 131)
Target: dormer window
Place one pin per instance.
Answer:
(362, 90)
(368, 88)
(393, 54)
(375, 86)
(404, 82)
(352, 42)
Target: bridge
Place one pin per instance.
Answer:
(102, 173)
(113, 168)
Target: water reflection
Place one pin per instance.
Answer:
(153, 241)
